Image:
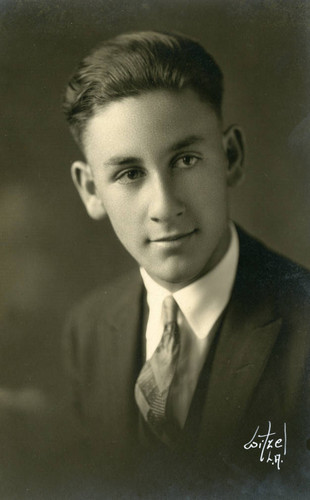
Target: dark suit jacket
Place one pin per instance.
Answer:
(259, 371)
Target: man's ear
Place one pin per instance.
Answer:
(233, 142)
(84, 182)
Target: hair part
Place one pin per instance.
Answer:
(132, 63)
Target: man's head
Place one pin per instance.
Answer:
(157, 160)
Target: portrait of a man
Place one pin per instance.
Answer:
(161, 349)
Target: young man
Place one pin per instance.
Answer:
(205, 378)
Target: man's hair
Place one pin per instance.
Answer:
(132, 63)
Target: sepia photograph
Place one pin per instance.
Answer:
(155, 249)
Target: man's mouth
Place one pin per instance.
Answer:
(173, 237)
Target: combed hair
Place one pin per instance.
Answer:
(132, 63)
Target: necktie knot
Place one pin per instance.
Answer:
(170, 310)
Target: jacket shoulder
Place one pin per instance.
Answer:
(101, 308)
(265, 269)
(104, 299)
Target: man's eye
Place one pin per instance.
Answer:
(186, 161)
(129, 176)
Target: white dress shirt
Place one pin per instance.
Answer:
(200, 305)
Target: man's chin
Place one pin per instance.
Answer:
(173, 280)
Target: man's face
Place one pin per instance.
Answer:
(159, 166)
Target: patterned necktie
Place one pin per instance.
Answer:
(156, 376)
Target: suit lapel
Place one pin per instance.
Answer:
(240, 358)
(125, 350)
(249, 330)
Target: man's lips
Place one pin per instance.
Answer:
(172, 237)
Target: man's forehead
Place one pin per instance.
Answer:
(161, 118)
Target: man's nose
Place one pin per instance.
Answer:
(165, 203)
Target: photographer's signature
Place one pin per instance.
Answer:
(271, 447)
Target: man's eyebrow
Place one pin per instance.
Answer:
(187, 141)
(122, 160)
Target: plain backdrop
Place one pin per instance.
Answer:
(51, 253)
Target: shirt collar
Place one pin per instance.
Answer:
(203, 301)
